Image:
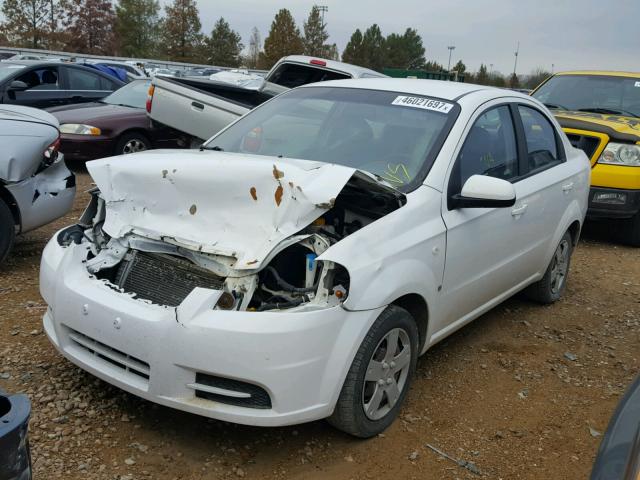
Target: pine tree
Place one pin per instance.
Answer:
(354, 51)
(224, 45)
(255, 45)
(137, 26)
(405, 51)
(26, 22)
(283, 39)
(460, 67)
(514, 81)
(373, 45)
(482, 77)
(181, 29)
(91, 26)
(315, 35)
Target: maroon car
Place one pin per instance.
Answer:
(115, 125)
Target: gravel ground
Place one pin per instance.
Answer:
(523, 392)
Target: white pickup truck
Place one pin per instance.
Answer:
(201, 108)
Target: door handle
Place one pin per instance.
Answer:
(519, 210)
(567, 187)
(197, 106)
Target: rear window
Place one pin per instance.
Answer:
(293, 75)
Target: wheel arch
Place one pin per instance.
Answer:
(574, 230)
(417, 307)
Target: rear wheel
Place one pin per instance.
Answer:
(550, 288)
(7, 231)
(379, 377)
(132, 143)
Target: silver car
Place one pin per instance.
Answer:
(36, 187)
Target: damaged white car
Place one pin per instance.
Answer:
(296, 266)
(35, 185)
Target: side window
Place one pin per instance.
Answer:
(41, 79)
(81, 80)
(542, 145)
(489, 149)
(106, 84)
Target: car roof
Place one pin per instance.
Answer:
(431, 88)
(609, 73)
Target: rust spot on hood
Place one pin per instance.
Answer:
(277, 174)
(252, 262)
(253, 193)
(193, 209)
(278, 195)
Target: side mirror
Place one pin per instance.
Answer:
(18, 86)
(480, 191)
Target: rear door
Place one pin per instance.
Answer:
(83, 85)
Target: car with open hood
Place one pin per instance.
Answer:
(600, 113)
(295, 267)
(35, 185)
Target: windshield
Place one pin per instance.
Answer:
(592, 93)
(8, 70)
(393, 135)
(133, 94)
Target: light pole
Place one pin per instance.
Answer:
(552, 65)
(515, 64)
(322, 9)
(451, 49)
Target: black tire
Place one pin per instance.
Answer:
(632, 236)
(545, 291)
(7, 231)
(125, 142)
(349, 414)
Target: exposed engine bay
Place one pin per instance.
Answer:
(163, 272)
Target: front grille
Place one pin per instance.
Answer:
(587, 144)
(162, 279)
(257, 396)
(126, 362)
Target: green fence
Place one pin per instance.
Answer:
(401, 73)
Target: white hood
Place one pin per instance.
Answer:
(229, 204)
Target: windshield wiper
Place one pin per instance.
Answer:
(610, 111)
(215, 148)
(555, 106)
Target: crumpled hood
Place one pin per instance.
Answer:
(229, 204)
(25, 133)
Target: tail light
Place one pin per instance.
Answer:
(152, 89)
(51, 153)
(315, 61)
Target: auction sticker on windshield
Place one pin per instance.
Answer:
(424, 103)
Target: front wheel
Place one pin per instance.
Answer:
(551, 286)
(7, 231)
(132, 143)
(379, 377)
(633, 230)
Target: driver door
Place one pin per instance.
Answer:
(486, 247)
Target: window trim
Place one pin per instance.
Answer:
(562, 157)
(509, 104)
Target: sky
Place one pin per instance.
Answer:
(570, 34)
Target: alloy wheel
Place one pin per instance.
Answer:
(559, 266)
(387, 373)
(134, 145)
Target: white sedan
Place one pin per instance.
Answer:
(296, 267)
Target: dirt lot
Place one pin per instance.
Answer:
(523, 392)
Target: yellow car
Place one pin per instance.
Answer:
(600, 113)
